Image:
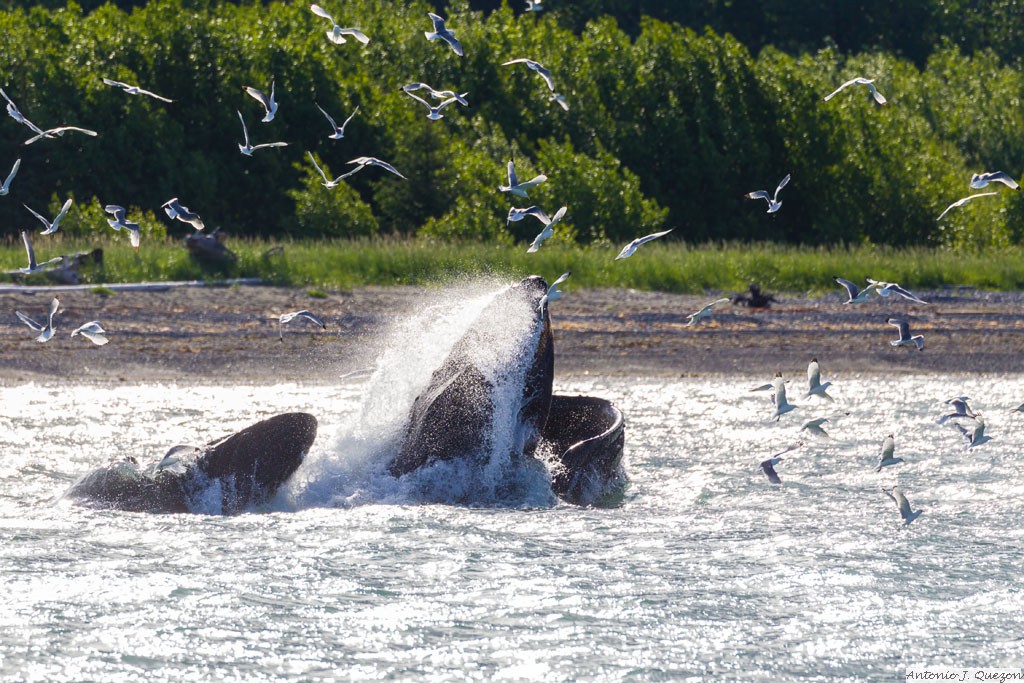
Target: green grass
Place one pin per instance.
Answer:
(673, 267)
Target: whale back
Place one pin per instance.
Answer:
(586, 435)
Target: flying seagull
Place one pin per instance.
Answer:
(436, 94)
(328, 183)
(59, 131)
(174, 209)
(630, 248)
(34, 267)
(705, 312)
(12, 110)
(768, 466)
(782, 406)
(440, 31)
(338, 132)
(886, 288)
(135, 90)
(337, 34)
(560, 100)
(288, 317)
(961, 410)
(815, 387)
(52, 227)
(961, 202)
(885, 457)
(269, 105)
(45, 331)
(854, 294)
(905, 338)
(554, 293)
(247, 149)
(547, 231)
(903, 504)
(93, 332)
(120, 222)
(534, 5)
(975, 437)
(814, 426)
(515, 214)
(433, 111)
(536, 66)
(517, 188)
(370, 161)
(980, 180)
(869, 82)
(6, 186)
(773, 200)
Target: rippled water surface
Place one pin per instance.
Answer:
(704, 570)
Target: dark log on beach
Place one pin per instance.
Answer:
(210, 248)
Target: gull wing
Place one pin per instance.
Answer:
(782, 184)
(14, 170)
(355, 33)
(321, 12)
(36, 327)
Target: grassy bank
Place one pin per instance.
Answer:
(669, 267)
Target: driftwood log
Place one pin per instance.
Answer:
(209, 248)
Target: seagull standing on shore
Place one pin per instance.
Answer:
(705, 312)
(547, 231)
(905, 338)
(980, 180)
(45, 331)
(517, 188)
(268, 102)
(286, 318)
(814, 384)
(902, 504)
(370, 161)
(440, 31)
(887, 288)
(885, 457)
(93, 332)
(337, 132)
(553, 293)
(773, 200)
(247, 149)
(135, 90)
(34, 267)
(120, 222)
(854, 294)
(631, 248)
(52, 227)
(961, 202)
(868, 82)
(337, 34)
(536, 66)
(6, 186)
(174, 209)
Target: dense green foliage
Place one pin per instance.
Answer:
(668, 127)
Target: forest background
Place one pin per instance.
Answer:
(675, 111)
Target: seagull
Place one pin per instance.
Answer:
(443, 33)
(59, 131)
(536, 66)
(517, 188)
(960, 410)
(434, 112)
(175, 209)
(339, 132)
(515, 214)
(52, 227)
(782, 406)
(630, 248)
(961, 202)
(247, 149)
(534, 5)
(370, 161)
(814, 384)
(120, 221)
(288, 317)
(975, 437)
(547, 231)
(814, 426)
(6, 187)
(553, 293)
(436, 94)
(268, 102)
(773, 200)
(45, 332)
(12, 110)
(869, 82)
(34, 267)
(705, 312)
(903, 504)
(93, 332)
(980, 180)
(135, 90)
(885, 457)
(905, 338)
(886, 288)
(337, 34)
(855, 295)
(328, 183)
(768, 466)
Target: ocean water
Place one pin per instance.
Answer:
(702, 570)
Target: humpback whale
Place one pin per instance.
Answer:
(243, 470)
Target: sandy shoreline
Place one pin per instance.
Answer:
(229, 334)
